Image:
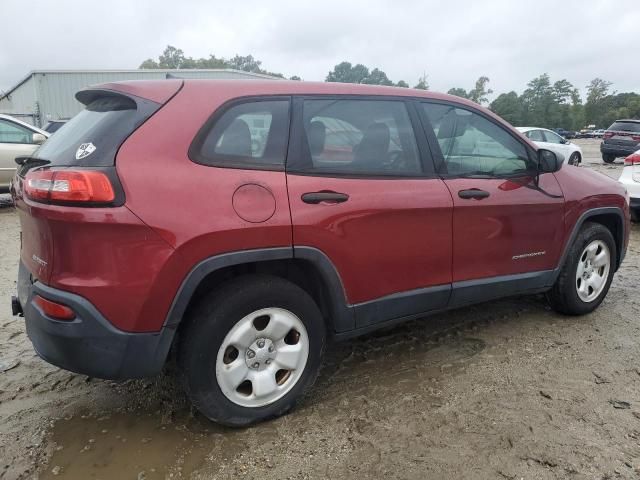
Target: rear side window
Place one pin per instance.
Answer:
(361, 137)
(92, 138)
(249, 135)
(552, 137)
(13, 133)
(535, 135)
(633, 127)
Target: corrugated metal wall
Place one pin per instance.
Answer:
(53, 93)
(22, 102)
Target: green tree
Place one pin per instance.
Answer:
(172, 57)
(480, 92)
(295, 77)
(509, 106)
(422, 84)
(149, 63)
(595, 107)
(377, 77)
(458, 92)
(402, 84)
(345, 72)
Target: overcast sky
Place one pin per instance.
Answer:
(453, 42)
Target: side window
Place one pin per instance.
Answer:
(362, 137)
(247, 135)
(473, 145)
(13, 133)
(535, 135)
(552, 137)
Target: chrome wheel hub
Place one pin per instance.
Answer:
(260, 354)
(593, 270)
(262, 357)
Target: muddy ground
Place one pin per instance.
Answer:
(505, 390)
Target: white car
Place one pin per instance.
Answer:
(570, 152)
(630, 178)
(17, 139)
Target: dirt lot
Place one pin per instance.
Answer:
(502, 390)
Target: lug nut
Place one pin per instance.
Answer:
(268, 361)
(271, 349)
(260, 343)
(251, 353)
(256, 365)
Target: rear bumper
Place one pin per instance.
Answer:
(617, 150)
(89, 344)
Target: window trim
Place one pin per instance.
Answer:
(228, 161)
(297, 136)
(19, 127)
(438, 157)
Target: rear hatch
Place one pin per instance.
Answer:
(87, 144)
(625, 133)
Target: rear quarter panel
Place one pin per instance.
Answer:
(190, 206)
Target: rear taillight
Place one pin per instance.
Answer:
(54, 309)
(633, 159)
(608, 134)
(62, 186)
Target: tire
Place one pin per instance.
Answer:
(235, 315)
(606, 158)
(575, 159)
(565, 296)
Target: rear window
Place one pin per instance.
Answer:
(93, 136)
(633, 127)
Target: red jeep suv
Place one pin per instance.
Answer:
(242, 224)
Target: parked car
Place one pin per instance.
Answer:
(139, 238)
(630, 178)
(53, 125)
(598, 133)
(621, 139)
(17, 138)
(550, 140)
(568, 134)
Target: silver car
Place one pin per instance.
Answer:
(17, 139)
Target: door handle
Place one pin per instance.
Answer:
(324, 196)
(473, 193)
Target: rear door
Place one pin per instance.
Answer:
(506, 222)
(362, 191)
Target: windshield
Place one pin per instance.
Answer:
(625, 127)
(93, 136)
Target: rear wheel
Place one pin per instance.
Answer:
(606, 158)
(587, 272)
(251, 349)
(575, 159)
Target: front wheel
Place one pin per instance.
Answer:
(586, 275)
(575, 159)
(251, 349)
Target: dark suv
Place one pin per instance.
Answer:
(240, 225)
(621, 139)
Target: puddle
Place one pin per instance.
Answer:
(134, 445)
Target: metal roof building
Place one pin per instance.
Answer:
(45, 95)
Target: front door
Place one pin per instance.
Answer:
(507, 222)
(362, 193)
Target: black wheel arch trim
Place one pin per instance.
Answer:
(618, 236)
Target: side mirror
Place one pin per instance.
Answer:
(38, 139)
(563, 141)
(548, 161)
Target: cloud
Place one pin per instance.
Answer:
(452, 42)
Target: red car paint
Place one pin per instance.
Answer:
(392, 236)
